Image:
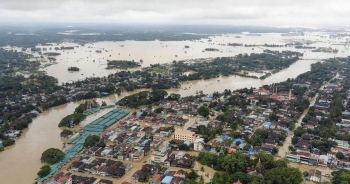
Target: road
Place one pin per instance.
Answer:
(283, 150)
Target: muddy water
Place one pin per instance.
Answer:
(21, 162)
(92, 63)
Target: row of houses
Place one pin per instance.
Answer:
(156, 174)
(101, 167)
(69, 178)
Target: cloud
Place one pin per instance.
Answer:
(233, 12)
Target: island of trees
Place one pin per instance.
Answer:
(211, 49)
(122, 64)
(73, 69)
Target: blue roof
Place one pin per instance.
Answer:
(224, 136)
(237, 140)
(144, 142)
(0, 120)
(167, 179)
(139, 114)
(133, 127)
(104, 93)
(267, 124)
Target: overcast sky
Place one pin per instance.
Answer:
(226, 12)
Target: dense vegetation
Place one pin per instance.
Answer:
(235, 167)
(52, 156)
(234, 65)
(66, 133)
(72, 120)
(142, 98)
(91, 140)
(44, 171)
(73, 69)
(340, 177)
(123, 64)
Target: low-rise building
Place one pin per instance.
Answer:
(184, 135)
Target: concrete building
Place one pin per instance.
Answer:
(198, 144)
(184, 135)
(315, 175)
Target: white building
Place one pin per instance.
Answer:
(315, 175)
(198, 144)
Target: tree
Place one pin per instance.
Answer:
(203, 111)
(91, 140)
(273, 117)
(66, 133)
(340, 176)
(159, 110)
(235, 162)
(305, 173)
(192, 175)
(44, 171)
(274, 151)
(104, 104)
(286, 175)
(52, 156)
(340, 155)
(174, 96)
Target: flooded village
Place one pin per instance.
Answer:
(161, 140)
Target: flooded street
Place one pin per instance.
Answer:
(21, 162)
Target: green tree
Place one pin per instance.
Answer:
(192, 175)
(66, 133)
(91, 140)
(235, 162)
(340, 155)
(203, 111)
(52, 156)
(341, 177)
(44, 171)
(286, 175)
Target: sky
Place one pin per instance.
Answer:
(309, 13)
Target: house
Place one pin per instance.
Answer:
(139, 176)
(160, 156)
(167, 180)
(138, 155)
(315, 175)
(198, 144)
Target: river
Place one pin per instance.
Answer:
(21, 162)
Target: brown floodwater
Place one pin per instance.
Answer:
(92, 63)
(21, 162)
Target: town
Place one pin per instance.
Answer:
(174, 139)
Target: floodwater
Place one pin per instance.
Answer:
(21, 162)
(92, 63)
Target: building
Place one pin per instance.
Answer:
(138, 155)
(184, 135)
(160, 156)
(315, 175)
(198, 144)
